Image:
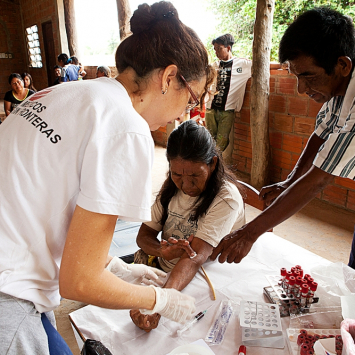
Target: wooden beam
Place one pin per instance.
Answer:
(124, 15)
(69, 14)
(259, 93)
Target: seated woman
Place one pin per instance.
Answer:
(28, 81)
(197, 205)
(17, 94)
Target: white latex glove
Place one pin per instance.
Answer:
(136, 273)
(172, 304)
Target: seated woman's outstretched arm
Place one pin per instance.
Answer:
(181, 275)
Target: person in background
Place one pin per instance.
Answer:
(232, 76)
(199, 198)
(28, 82)
(73, 159)
(17, 94)
(68, 72)
(57, 73)
(324, 66)
(103, 70)
(75, 61)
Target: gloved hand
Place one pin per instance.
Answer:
(172, 304)
(137, 273)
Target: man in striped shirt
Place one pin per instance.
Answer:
(319, 47)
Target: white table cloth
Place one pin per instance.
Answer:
(244, 281)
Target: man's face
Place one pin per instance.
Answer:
(57, 72)
(314, 81)
(222, 52)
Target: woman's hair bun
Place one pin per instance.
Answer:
(146, 16)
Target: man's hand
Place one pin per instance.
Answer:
(271, 192)
(144, 322)
(233, 247)
(174, 248)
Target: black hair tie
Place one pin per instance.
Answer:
(169, 14)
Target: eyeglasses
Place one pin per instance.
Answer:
(190, 106)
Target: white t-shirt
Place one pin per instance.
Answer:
(80, 143)
(226, 213)
(230, 83)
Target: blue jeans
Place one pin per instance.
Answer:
(352, 253)
(57, 345)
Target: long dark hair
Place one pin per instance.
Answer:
(160, 39)
(31, 87)
(193, 142)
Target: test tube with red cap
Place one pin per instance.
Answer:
(286, 283)
(310, 280)
(304, 294)
(291, 286)
(298, 286)
(242, 350)
(312, 289)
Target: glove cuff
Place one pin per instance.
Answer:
(118, 267)
(160, 301)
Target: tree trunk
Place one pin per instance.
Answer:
(259, 93)
(124, 15)
(69, 14)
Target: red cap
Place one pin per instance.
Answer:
(288, 274)
(306, 276)
(293, 269)
(304, 281)
(242, 350)
(296, 273)
(313, 286)
(298, 267)
(300, 339)
(292, 280)
(283, 272)
(305, 288)
(299, 280)
(310, 280)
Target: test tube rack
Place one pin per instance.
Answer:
(261, 325)
(288, 304)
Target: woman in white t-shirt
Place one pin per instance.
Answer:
(198, 203)
(75, 157)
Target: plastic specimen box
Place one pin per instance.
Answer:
(261, 325)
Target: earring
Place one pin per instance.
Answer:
(164, 92)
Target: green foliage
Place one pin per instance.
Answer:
(238, 16)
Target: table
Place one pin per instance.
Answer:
(244, 281)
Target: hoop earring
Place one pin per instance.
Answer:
(164, 92)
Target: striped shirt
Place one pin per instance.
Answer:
(336, 125)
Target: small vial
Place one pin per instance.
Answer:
(293, 269)
(291, 286)
(304, 295)
(306, 276)
(288, 275)
(300, 339)
(298, 287)
(312, 289)
(296, 273)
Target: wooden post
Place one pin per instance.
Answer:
(69, 14)
(124, 15)
(259, 93)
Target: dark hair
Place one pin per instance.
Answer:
(226, 40)
(193, 142)
(321, 33)
(57, 67)
(31, 87)
(74, 60)
(14, 75)
(160, 39)
(63, 58)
